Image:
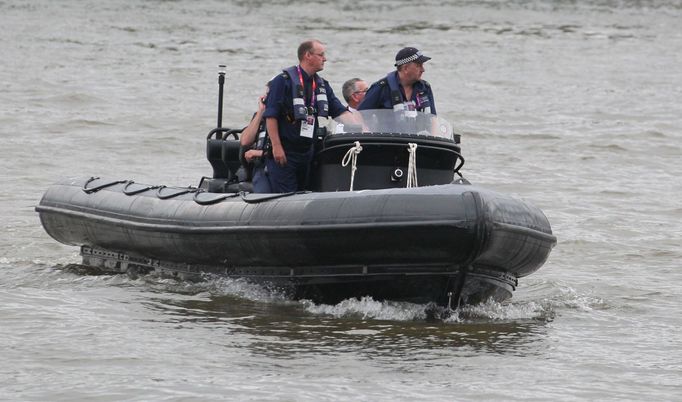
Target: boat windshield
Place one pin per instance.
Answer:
(390, 121)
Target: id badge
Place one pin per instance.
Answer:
(308, 127)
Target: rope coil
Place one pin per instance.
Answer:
(412, 165)
(352, 157)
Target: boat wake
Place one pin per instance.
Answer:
(538, 302)
(368, 308)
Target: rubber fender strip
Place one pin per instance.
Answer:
(175, 194)
(533, 233)
(226, 229)
(213, 200)
(139, 190)
(268, 198)
(101, 186)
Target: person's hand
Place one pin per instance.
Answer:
(278, 155)
(261, 103)
(252, 154)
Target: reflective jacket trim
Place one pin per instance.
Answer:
(300, 110)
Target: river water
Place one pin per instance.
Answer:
(574, 106)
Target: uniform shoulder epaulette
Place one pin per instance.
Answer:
(426, 83)
(382, 82)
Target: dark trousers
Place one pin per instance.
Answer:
(291, 177)
(260, 181)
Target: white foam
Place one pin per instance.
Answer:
(367, 307)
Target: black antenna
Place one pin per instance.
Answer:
(221, 83)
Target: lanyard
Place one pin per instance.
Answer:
(416, 103)
(313, 97)
(415, 94)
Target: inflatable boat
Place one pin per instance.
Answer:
(387, 214)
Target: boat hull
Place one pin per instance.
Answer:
(420, 244)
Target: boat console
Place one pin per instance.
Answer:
(385, 149)
(370, 149)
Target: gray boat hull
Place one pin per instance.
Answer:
(419, 244)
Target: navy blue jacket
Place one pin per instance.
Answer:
(378, 95)
(280, 106)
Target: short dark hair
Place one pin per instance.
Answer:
(305, 47)
(348, 88)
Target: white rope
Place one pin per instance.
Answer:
(352, 156)
(412, 165)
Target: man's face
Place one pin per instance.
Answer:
(414, 71)
(360, 90)
(317, 56)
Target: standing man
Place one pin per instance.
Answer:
(402, 89)
(298, 98)
(354, 91)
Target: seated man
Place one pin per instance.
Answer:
(354, 91)
(402, 89)
(254, 137)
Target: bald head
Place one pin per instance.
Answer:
(311, 56)
(306, 47)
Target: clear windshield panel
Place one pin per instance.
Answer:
(390, 121)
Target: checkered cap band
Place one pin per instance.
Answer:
(409, 59)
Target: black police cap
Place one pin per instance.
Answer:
(409, 55)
